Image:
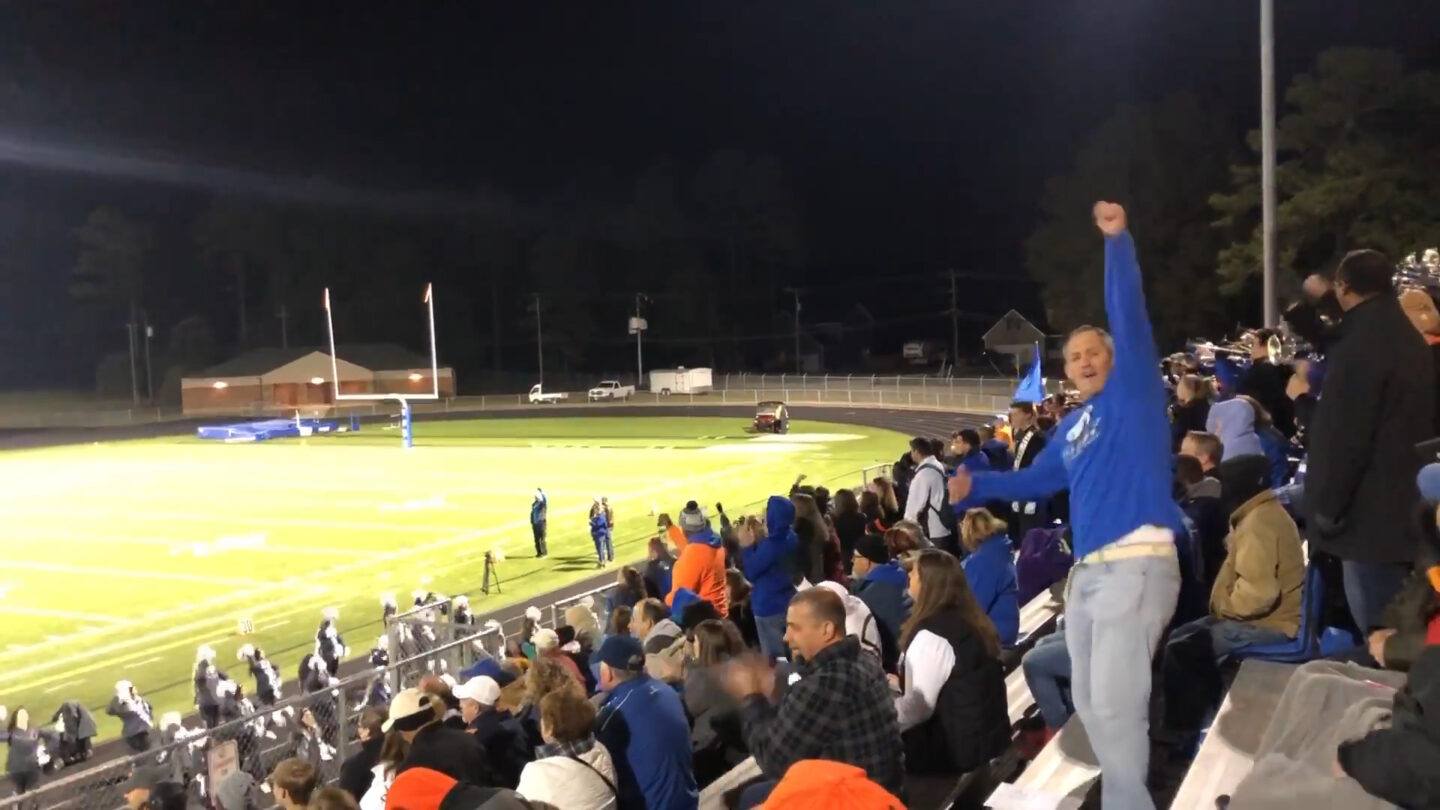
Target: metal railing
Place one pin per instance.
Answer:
(319, 726)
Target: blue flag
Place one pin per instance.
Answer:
(1032, 387)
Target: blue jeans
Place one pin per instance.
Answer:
(1114, 617)
(771, 630)
(1193, 656)
(756, 794)
(1369, 587)
(604, 549)
(1045, 666)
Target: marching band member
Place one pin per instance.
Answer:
(329, 644)
(267, 678)
(136, 716)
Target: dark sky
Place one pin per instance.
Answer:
(918, 133)
(914, 130)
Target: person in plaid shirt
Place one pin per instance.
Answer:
(840, 708)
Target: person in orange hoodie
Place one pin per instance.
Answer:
(700, 562)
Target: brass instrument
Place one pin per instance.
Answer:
(1421, 273)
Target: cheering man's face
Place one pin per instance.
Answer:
(1088, 360)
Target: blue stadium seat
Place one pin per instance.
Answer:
(1306, 644)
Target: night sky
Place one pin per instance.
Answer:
(916, 134)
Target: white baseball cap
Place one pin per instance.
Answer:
(482, 689)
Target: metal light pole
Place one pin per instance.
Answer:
(1267, 156)
(134, 372)
(539, 341)
(638, 326)
(149, 375)
(954, 323)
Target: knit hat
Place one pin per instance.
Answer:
(693, 520)
(684, 598)
(623, 653)
(418, 789)
(820, 784)
(233, 792)
(410, 710)
(873, 548)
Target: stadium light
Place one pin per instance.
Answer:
(416, 376)
(220, 385)
(317, 380)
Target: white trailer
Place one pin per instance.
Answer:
(681, 381)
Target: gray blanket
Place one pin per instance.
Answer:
(1325, 704)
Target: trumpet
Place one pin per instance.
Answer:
(1280, 349)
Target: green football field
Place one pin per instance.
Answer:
(120, 559)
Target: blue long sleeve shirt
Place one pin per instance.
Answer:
(1112, 453)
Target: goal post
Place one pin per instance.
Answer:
(407, 434)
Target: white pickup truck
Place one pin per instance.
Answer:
(539, 397)
(611, 389)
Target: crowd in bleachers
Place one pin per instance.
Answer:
(861, 641)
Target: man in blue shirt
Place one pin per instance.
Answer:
(1113, 454)
(539, 509)
(642, 724)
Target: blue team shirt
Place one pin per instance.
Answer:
(1113, 452)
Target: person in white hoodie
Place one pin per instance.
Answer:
(927, 502)
(572, 770)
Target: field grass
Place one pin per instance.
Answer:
(119, 559)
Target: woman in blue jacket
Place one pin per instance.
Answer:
(767, 555)
(600, 533)
(991, 571)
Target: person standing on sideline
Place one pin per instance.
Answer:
(539, 513)
(1113, 452)
(600, 534)
(1379, 402)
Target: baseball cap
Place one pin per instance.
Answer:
(233, 793)
(144, 779)
(410, 710)
(623, 653)
(481, 689)
(873, 548)
(1429, 482)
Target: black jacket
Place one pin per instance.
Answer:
(1265, 383)
(810, 550)
(1378, 402)
(357, 772)
(505, 745)
(1401, 764)
(970, 724)
(452, 752)
(1185, 417)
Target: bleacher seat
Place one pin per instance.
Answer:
(1061, 776)
(1228, 751)
(1306, 644)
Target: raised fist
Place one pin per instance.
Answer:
(1109, 218)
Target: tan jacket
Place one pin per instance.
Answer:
(1264, 571)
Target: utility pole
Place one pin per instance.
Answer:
(134, 371)
(799, 364)
(954, 323)
(539, 341)
(1267, 156)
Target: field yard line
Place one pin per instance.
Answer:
(180, 546)
(145, 638)
(128, 573)
(51, 613)
(198, 517)
(57, 687)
